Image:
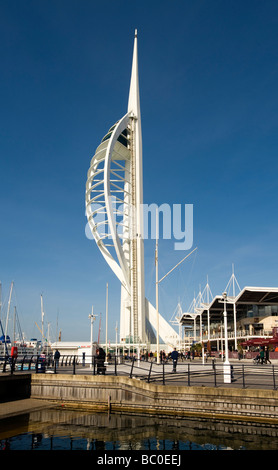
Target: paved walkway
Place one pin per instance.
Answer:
(19, 407)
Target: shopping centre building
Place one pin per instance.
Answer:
(253, 313)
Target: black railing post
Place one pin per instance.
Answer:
(149, 376)
(273, 372)
(116, 357)
(73, 363)
(243, 376)
(22, 364)
(131, 370)
(12, 362)
(214, 370)
(5, 364)
(37, 364)
(188, 375)
(94, 368)
(163, 374)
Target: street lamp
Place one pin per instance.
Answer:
(92, 317)
(226, 365)
(116, 349)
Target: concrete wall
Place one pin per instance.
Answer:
(14, 387)
(134, 396)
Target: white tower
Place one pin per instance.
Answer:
(114, 199)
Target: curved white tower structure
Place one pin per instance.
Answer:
(114, 198)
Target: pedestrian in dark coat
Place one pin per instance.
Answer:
(100, 361)
(174, 357)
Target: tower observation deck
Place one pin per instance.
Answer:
(114, 205)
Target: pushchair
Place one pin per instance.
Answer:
(256, 359)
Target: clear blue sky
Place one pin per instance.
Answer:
(209, 104)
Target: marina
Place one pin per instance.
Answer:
(236, 323)
(134, 324)
(57, 429)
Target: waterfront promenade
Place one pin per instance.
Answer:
(244, 373)
(190, 375)
(24, 406)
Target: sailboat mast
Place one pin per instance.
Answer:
(0, 298)
(8, 312)
(42, 317)
(99, 328)
(14, 325)
(106, 315)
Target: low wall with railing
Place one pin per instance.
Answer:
(117, 393)
(191, 373)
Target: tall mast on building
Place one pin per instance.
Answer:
(137, 245)
(114, 199)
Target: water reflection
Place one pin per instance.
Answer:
(61, 429)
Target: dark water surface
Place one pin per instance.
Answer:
(61, 429)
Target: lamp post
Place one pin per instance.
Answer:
(226, 365)
(116, 348)
(92, 317)
(106, 326)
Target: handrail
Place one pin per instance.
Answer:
(188, 373)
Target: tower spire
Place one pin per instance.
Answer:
(121, 150)
(134, 96)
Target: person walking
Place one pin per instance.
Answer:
(56, 358)
(100, 361)
(262, 355)
(267, 356)
(174, 357)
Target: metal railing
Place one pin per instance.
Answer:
(188, 373)
(212, 374)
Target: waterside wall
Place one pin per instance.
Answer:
(122, 394)
(15, 387)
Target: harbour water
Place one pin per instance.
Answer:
(62, 429)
